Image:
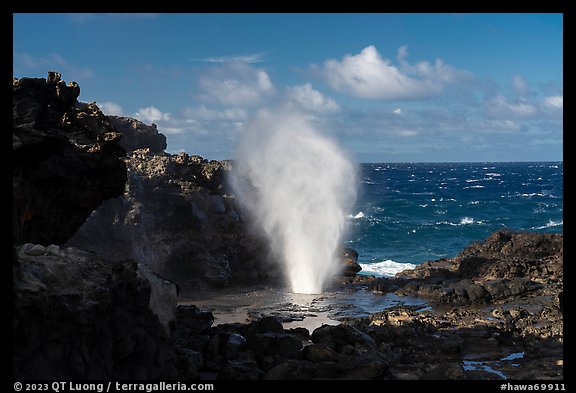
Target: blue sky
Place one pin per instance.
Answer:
(387, 87)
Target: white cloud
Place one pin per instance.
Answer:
(110, 108)
(151, 114)
(554, 102)
(501, 108)
(368, 75)
(310, 99)
(249, 58)
(236, 84)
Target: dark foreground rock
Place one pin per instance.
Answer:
(78, 317)
(65, 160)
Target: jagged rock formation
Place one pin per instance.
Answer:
(506, 265)
(76, 316)
(65, 160)
(176, 216)
(137, 135)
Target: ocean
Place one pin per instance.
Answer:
(409, 213)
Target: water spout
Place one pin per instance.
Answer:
(299, 186)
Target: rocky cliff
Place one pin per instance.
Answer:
(75, 315)
(176, 216)
(65, 160)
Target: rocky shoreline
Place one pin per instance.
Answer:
(108, 230)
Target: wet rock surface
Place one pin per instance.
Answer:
(515, 333)
(505, 266)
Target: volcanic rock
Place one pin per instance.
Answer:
(66, 160)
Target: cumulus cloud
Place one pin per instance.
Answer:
(310, 99)
(110, 108)
(368, 75)
(151, 114)
(236, 84)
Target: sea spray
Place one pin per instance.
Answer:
(298, 186)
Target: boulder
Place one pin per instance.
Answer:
(350, 262)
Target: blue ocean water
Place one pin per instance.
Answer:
(408, 213)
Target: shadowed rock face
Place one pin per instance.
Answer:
(65, 160)
(176, 216)
(76, 316)
(79, 317)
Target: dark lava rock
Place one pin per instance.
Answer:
(66, 160)
(505, 265)
(177, 217)
(341, 336)
(350, 260)
(78, 317)
(137, 135)
(318, 353)
(195, 321)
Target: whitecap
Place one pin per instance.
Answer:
(472, 180)
(550, 224)
(473, 187)
(532, 194)
(463, 221)
(387, 268)
(357, 216)
(493, 174)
